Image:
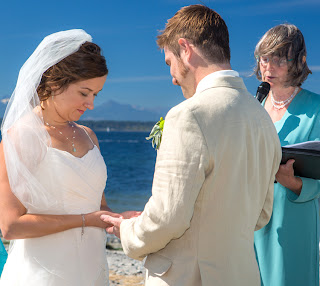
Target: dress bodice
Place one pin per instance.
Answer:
(78, 182)
(69, 257)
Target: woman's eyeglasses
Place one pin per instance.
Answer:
(279, 62)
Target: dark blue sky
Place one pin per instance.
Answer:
(127, 30)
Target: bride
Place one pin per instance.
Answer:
(52, 174)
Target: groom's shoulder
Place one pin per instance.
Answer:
(181, 109)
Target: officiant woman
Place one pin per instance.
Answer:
(287, 248)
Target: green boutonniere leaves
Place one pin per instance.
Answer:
(156, 134)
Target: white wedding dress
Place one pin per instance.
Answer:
(66, 258)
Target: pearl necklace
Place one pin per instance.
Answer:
(73, 137)
(281, 104)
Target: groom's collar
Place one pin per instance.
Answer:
(207, 80)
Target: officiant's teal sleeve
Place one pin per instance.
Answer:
(3, 256)
(310, 191)
(179, 174)
(310, 187)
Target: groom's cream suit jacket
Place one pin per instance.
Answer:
(212, 187)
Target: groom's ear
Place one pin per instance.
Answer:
(186, 49)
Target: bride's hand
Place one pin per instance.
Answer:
(93, 219)
(113, 224)
(130, 214)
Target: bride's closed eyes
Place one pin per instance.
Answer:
(85, 95)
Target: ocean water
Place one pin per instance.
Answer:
(130, 161)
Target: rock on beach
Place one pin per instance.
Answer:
(122, 269)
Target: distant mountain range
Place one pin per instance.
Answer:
(112, 110)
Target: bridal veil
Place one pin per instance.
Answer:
(25, 140)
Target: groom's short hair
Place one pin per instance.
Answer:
(203, 27)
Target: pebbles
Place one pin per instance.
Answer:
(123, 270)
(120, 264)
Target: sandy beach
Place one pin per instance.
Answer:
(124, 270)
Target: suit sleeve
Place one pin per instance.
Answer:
(179, 175)
(266, 211)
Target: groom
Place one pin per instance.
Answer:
(215, 169)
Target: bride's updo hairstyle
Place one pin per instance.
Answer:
(86, 63)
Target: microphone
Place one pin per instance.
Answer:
(262, 91)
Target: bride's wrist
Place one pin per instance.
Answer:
(86, 220)
(83, 224)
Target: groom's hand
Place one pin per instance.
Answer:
(130, 214)
(115, 222)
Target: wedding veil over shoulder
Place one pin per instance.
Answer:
(25, 140)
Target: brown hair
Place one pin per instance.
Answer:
(203, 27)
(287, 41)
(86, 63)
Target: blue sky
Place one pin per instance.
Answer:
(126, 31)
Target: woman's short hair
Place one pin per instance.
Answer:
(203, 27)
(287, 41)
(86, 63)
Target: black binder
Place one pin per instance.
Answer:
(306, 156)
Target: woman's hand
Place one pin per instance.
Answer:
(285, 176)
(113, 222)
(93, 219)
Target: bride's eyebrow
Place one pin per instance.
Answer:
(89, 88)
(86, 88)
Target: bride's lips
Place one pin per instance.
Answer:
(80, 111)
